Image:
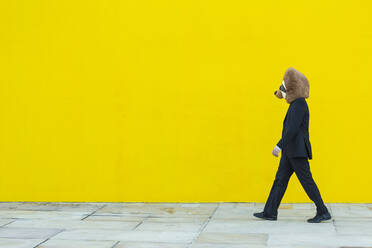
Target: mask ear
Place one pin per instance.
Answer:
(283, 83)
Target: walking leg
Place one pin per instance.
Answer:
(303, 173)
(279, 187)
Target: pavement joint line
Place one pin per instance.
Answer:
(94, 212)
(201, 229)
(49, 238)
(8, 223)
(115, 244)
(141, 222)
(42, 242)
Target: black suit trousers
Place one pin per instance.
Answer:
(286, 168)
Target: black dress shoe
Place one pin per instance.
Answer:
(262, 215)
(320, 217)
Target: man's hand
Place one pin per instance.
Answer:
(276, 151)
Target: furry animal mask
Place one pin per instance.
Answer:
(295, 85)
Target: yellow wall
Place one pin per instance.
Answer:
(164, 100)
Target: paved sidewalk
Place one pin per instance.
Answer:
(178, 225)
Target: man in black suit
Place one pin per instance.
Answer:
(296, 149)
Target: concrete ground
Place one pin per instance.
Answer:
(178, 225)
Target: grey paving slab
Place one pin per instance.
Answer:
(283, 227)
(242, 204)
(19, 243)
(296, 215)
(117, 217)
(305, 206)
(320, 240)
(31, 214)
(353, 227)
(232, 238)
(306, 246)
(353, 210)
(145, 236)
(51, 206)
(27, 233)
(55, 243)
(351, 219)
(169, 226)
(245, 212)
(304, 213)
(199, 245)
(197, 205)
(234, 211)
(9, 205)
(301, 213)
(232, 205)
(190, 219)
(259, 205)
(4, 222)
(170, 210)
(347, 204)
(149, 245)
(73, 224)
(345, 220)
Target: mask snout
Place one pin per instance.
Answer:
(282, 92)
(278, 94)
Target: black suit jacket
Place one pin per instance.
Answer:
(295, 141)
